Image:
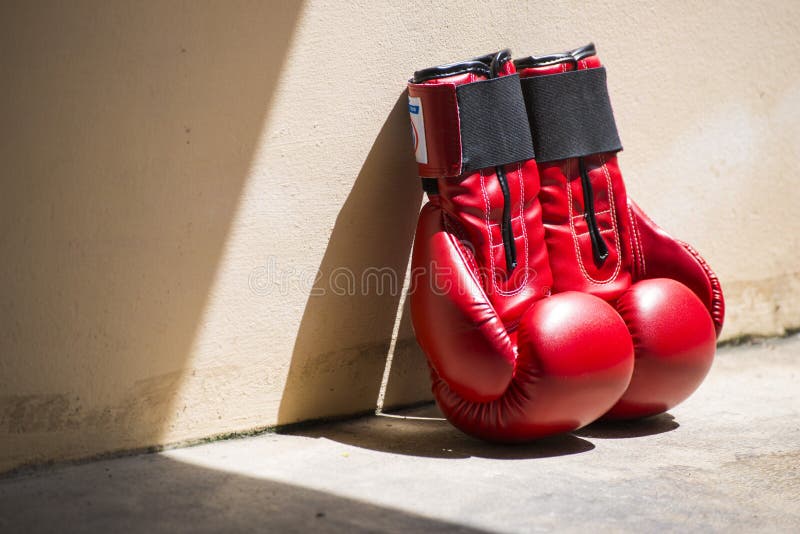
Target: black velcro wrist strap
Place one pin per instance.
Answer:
(570, 114)
(494, 124)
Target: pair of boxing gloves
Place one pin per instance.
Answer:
(542, 296)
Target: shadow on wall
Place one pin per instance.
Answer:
(409, 380)
(345, 333)
(128, 132)
(156, 494)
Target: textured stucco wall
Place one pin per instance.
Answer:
(175, 174)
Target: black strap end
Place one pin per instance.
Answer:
(570, 114)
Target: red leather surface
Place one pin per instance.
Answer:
(669, 329)
(566, 232)
(675, 343)
(455, 324)
(443, 137)
(474, 206)
(567, 235)
(508, 362)
(441, 120)
(575, 358)
(658, 255)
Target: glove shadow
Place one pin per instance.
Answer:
(649, 426)
(423, 431)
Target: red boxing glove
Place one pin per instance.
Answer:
(508, 361)
(600, 243)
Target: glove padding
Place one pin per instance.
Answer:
(601, 244)
(567, 362)
(508, 361)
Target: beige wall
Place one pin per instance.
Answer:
(162, 162)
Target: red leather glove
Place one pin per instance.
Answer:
(600, 242)
(508, 361)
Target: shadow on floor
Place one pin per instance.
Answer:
(153, 493)
(658, 424)
(424, 432)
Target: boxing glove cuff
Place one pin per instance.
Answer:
(459, 129)
(570, 114)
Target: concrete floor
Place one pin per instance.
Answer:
(726, 460)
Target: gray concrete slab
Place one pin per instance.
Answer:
(726, 460)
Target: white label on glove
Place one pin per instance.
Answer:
(418, 129)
